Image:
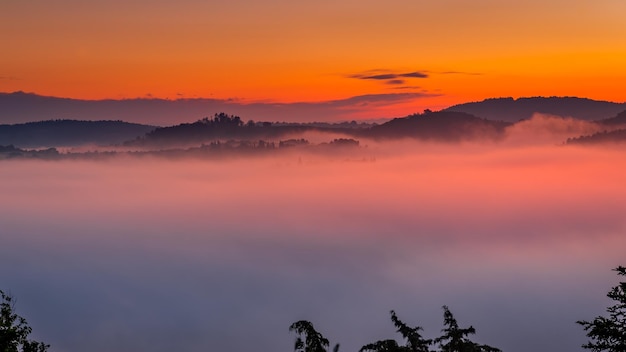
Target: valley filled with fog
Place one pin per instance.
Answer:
(162, 254)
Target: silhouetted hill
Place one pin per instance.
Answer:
(20, 107)
(224, 127)
(616, 136)
(220, 127)
(512, 110)
(70, 133)
(620, 119)
(442, 126)
(615, 132)
(11, 152)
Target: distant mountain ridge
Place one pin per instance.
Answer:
(447, 125)
(513, 110)
(54, 133)
(620, 119)
(229, 130)
(605, 137)
(614, 132)
(441, 126)
(21, 107)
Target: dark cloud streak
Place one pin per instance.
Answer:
(380, 77)
(406, 87)
(414, 75)
(388, 76)
(388, 98)
(9, 78)
(460, 73)
(395, 81)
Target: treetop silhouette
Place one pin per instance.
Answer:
(609, 333)
(454, 338)
(309, 339)
(14, 330)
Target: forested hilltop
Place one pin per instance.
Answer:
(231, 131)
(513, 110)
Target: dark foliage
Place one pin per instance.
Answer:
(439, 126)
(609, 333)
(604, 137)
(14, 330)
(615, 132)
(220, 126)
(454, 338)
(618, 120)
(293, 143)
(10, 152)
(384, 346)
(345, 142)
(414, 340)
(309, 339)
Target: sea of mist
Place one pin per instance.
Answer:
(149, 254)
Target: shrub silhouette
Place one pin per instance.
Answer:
(309, 340)
(14, 330)
(609, 333)
(454, 338)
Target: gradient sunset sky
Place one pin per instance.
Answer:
(415, 54)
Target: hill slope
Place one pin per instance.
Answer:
(441, 126)
(20, 107)
(70, 133)
(512, 110)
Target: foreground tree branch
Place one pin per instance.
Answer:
(14, 330)
(609, 333)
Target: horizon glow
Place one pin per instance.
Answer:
(285, 52)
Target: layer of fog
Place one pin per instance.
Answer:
(549, 129)
(151, 254)
(541, 129)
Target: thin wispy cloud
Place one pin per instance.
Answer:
(397, 78)
(386, 98)
(460, 73)
(407, 87)
(377, 77)
(9, 78)
(395, 81)
(414, 75)
(392, 77)
(385, 75)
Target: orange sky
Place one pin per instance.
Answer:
(288, 51)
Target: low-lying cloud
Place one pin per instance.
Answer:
(142, 253)
(549, 129)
